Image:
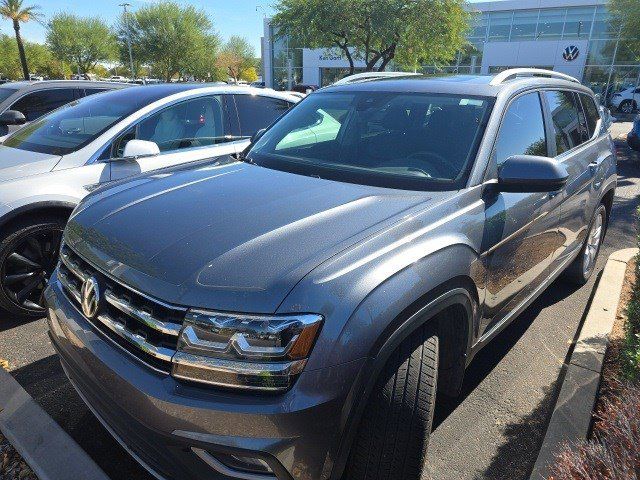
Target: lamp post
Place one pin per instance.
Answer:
(126, 19)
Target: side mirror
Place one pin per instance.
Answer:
(12, 117)
(140, 148)
(256, 136)
(529, 173)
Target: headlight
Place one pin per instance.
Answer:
(256, 352)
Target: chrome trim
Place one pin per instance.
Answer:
(220, 467)
(142, 316)
(69, 287)
(136, 340)
(73, 267)
(203, 365)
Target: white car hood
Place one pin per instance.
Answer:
(16, 163)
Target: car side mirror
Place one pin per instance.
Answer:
(256, 136)
(140, 148)
(12, 117)
(607, 119)
(529, 173)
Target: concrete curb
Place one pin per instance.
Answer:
(49, 451)
(571, 418)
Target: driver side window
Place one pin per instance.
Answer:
(197, 122)
(522, 131)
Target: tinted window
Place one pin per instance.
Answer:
(591, 112)
(36, 104)
(91, 91)
(391, 139)
(256, 112)
(76, 124)
(193, 123)
(568, 120)
(522, 131)
(6, 93)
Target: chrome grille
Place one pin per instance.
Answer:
(145, 327)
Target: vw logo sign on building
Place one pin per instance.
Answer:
(570, 53)
(90, 297)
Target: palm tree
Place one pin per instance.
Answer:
(14, 11)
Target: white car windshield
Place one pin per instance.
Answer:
(74, 125)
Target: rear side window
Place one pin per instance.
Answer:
(522, 131)
(591, 113)
(256, 112)
(36, 104)
(569, 126)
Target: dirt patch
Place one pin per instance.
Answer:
(611, 370)
(12, 466)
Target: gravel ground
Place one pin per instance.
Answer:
(12, 466)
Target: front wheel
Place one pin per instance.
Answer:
(627, 106)
(392, 439)
(28, 255)
(583, 266)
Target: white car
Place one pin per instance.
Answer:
(50, 165)
(626, 101)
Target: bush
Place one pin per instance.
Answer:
(613, 454)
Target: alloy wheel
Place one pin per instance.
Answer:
(627, 107)
(26, 269)
(593, 244)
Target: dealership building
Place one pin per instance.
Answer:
(577, 37)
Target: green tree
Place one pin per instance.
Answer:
(15, 11)
(413, 32)
(626, 15)
(41, 60)
(237, 58)
(82, 42)
(172, 39)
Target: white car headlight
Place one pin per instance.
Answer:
(255, 352)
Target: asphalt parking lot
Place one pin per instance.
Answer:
(493, 431)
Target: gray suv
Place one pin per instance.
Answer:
(293, 312)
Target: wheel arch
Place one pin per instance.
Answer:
(53, 207)
(457, 293)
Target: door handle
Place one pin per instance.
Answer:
(593, 166)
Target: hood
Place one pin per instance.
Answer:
(236, 237)
(15, 163)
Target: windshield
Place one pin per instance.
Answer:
(74, 125)
(6, 93)
(397, 140)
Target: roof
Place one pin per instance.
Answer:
(61, 83)
(479, 85)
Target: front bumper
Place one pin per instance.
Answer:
(162, 421)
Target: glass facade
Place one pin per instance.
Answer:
(284, 56)
(611, 60)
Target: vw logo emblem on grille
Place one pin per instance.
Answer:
(90, 297)
(570, 53)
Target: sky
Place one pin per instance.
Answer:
(230, 17)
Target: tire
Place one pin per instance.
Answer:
(577, 272)
(22, 238)
(392, 438)
(627, 106)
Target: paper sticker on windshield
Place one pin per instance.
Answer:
(471, 101)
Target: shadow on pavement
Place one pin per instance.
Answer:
(46, 382)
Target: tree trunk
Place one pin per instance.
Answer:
(23, 57)
(389, 54)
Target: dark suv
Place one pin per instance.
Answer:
(291, 313)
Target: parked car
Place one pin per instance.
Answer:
(626, 101)
(24, 102)
(633, 137)
(304, 88)
(290, 315)
(47, 167)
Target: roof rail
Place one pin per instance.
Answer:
(368, 76)
(529, 72)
